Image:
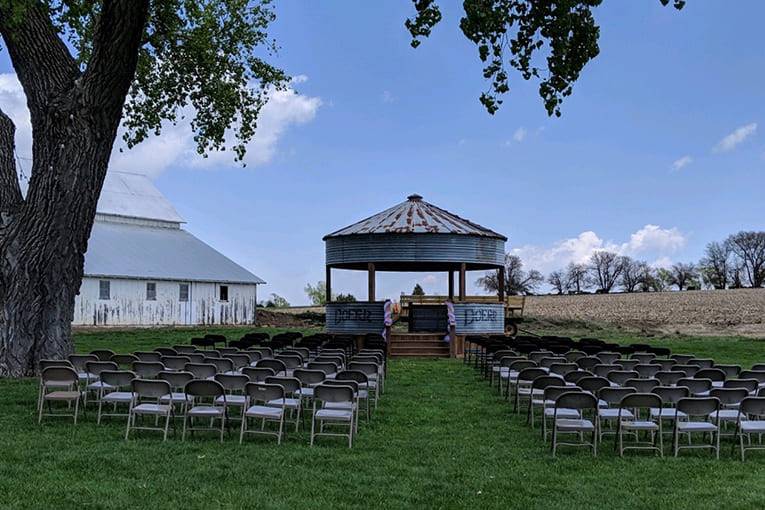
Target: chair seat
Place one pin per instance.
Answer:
(334, 415)
(753, 426)
(569, 425)
(232, 400)
(264, 412)
(175, 398)
(288, 403)
(151, 409)
(305, 392)
(99, 385)
(613, 413)
(666, 413)
(339, 405)
(119, 396)
(208, 411)
(86, 376)
(563, 413)
(63, 395)
(696, 426)
(639, 425)
(726, 415)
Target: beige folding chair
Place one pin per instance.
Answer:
(148, 393)
(177, 395)
(148, 369)
(258, 374)
(362, 380)
(611, 413)
(642, 385)
(291, 402)
(325, 394)
(751, 421)
(261, 405)
(201, 370)
(700, 408)
(537, 399)
(58, 384)
(234, 385)
(631, 418)
(581, 402)
(670, 396)
(175, 363)
(730, 399)
(205, 394)
(113, 392)
(551, 394)
(372, 371)
(148, 356)
(103, 354)
(523, 385)
(97, 385)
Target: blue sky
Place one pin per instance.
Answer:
(639, 162)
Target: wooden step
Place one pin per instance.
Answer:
(419, 343)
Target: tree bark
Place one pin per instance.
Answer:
(75, 117)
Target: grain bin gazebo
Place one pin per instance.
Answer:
(416, 236)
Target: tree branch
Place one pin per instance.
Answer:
(10, 192)
(117, 39)
(41, 60)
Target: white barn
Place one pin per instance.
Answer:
(142, 268)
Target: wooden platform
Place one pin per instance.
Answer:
(418, 345)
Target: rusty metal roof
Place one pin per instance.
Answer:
(415, 216)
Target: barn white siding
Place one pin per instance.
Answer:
(128, 305)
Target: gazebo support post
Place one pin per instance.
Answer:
(328, 279)
(371, 281)
(501, 284)
(463, 269)
(451, 285)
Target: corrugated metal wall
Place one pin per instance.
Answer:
(356, 317)
(478, 318)
(128, 305)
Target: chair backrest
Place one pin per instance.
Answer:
(150, 388)
(367, 368)
(201, 370)
(731, 371)
(258, 374)
(641, 400)
(576, 376)
(753, 406)
(117, 378)
(290, 384)
(576, 400)
(537, 356)
(612, 396)
(563, 368)
(353, 384)
(544, 381)
(310, 378)
(185, 349)
(758, 375)
(291, 361)
(332, 393)
(103, 354)
(204, 388)
(175, 362)
(498, 355)
(59, 374)
(696, 385)
(264, 392)
(239, 360)
(148, 369)
(729, 396)
(176, 379)
(124, 359)
(352, 375)
(608, 357)
(96, 367)
(643, 357)
(603, 369)
(506, 361)
(276, 365)
(572, 356)
(232, 382)
(666, 364)
(48, 363)
(166, 351)
(671, 394)
(551, 393)
(621, 376)
(221, 364)
(749, 385)
(518, 365)
(688, 370)
(647, 371)
(265, 352)
(713, 374)
(701, 362)
(593, 384)
(588, 363)
(642, 385)
(759, 367)
(627, 364)
(148, 356)
(78, 360)
(529, 374)
(252, 355)
(669, 378)
(227, 350)
(551, 360)
(698, 406)
(682, 359)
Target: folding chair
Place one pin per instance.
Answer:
(103, 354)
(148, 369)
(731, 371)
(562, 369)
(372, 371)
(629, 420)
(233, 384)
(201, 370)
(751, 421)
(581, 402)
(573, 356)
(536, 397)
(611, 412)
(642, 385)
(501, 370)
(276, 365)
(551, 394)
(166, 351)
(688, 370)
(95, 368)
(730, 400)
(665, 364)
(148, 356)
(182, 350)
(644, 358)
(670, 396)
(78, 362)
(291, 402)
(588, 363)
(152, 390)
(603, 370)
(574, 377)
(750, 385)
(700, 408)
(124, 360)
(523, 384)
(112, 392)
(239, 360)
(258, 374)
(204, 395)
(175, 363)
(682, 359)
(669, 378)
(325, 394)
(607, 357)
(177, 395)
(511, 376)
(627, 364)
(697, 387)
(222, 365)
(593, 385)
(647, 371)
(701, 362)
(291, 362)
(715, 375)
(619, 377)
(362, 380)
(65, 384)
(262, 400)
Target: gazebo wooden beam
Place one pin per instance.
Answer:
(371, 281)
(501, 284)
(451, 285)
(463, 269)
(328, 280)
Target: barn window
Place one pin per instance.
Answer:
(183, 292)
(104, 289)
(151, 291)
(224, 292)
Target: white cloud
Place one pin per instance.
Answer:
(681, 163)
(388, 97)
(735, 138)
(520, 134)
(651, 240)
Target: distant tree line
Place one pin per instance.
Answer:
(736, 262)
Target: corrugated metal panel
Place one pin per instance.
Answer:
(416, 216)
(135, 196)
(414, 248)
(478, 318)
(134, 251)
(355, 317)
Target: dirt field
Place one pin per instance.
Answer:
(739, 312)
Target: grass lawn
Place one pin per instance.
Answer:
(440, 439)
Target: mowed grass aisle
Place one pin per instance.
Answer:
(440, 439)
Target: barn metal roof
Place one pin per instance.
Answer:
(415, 216)
(135, 251)
(135, 196)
